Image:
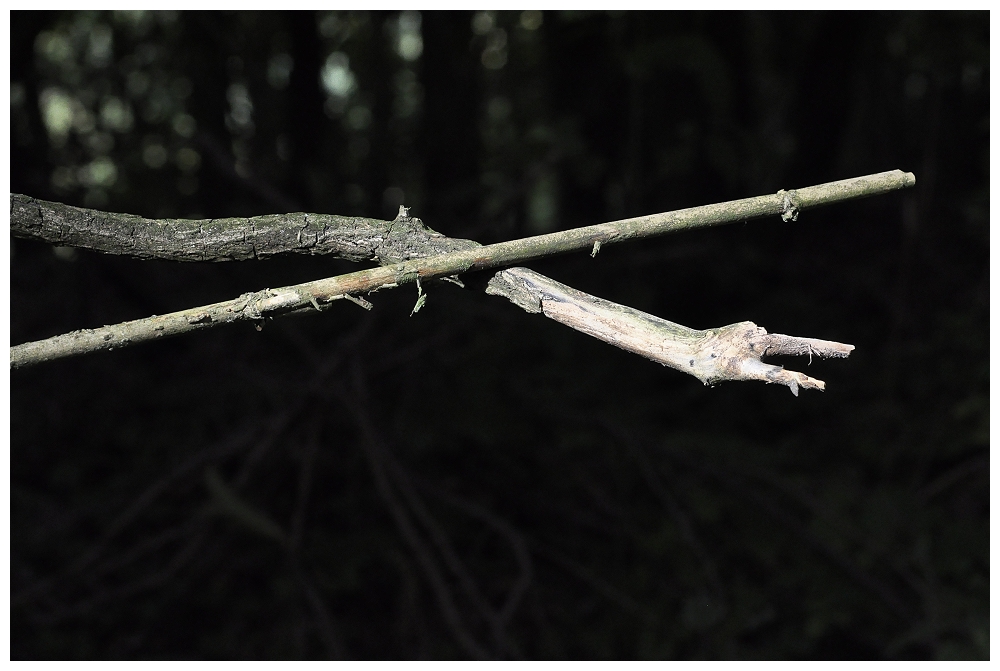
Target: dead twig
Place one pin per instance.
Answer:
(418, 248)
(713, 355)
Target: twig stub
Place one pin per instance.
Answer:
(413, 250)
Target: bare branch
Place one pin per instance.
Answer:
(231, 239)
(358, 238)
(408, 238)
(714, 355)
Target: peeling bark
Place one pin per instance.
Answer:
(714, 355)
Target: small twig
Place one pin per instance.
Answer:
(467, 258)
(145, 582)
(226, 502)
(306, 474)
(451, 559)
(421, 299)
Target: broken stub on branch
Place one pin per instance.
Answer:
(409, 251)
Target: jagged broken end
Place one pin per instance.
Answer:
(778, 344)
(755, 369)
(796, 380)
(734, 352)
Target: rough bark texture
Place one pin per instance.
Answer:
(232, 239)
(359, 239)
(410, 251)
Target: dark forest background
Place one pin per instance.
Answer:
(475, 480)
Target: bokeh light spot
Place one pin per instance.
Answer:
(188, 160)
(101, 172)
(409, 44)
(184, 124)
(498, 108)
(116, 115)
(100, 47)
(279, 70)
(154, 155)
(53, 46)
(531, 19)
(57, 113)
(359, 117)
(336, 76)
(482, 22)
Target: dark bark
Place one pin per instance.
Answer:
(408, 252)
(230, 239)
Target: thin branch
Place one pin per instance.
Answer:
(148, 496)
(467, 257)
(837, 557)
(225, 165)
(325, 625)
(146, 582)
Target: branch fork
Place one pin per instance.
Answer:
(713, 355)
(734, 353)
(408, 251)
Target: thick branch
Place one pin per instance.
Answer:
(406, 237)
(357, 238)
(714, 355)
(233, 239)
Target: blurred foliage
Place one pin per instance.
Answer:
(475, 480)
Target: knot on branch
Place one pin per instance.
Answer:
(256, 304)
(410, 238)
(248, 304)
(789, 205)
